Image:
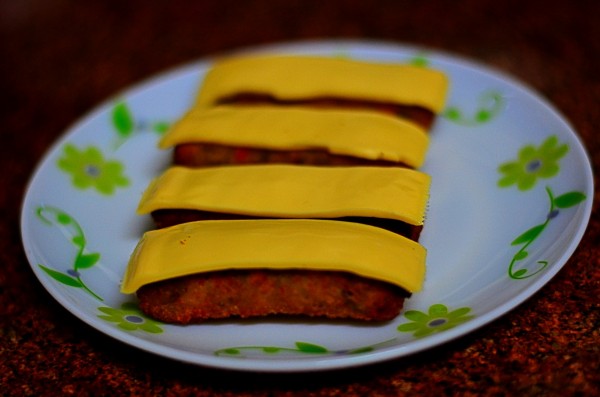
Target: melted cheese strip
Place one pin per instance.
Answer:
(298, 77)
(288, 191)
(355, 133)
(275, 244)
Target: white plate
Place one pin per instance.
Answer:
(478, 267)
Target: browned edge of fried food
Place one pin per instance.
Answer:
(197, 154)
(417, 114)
(257, 293)
(170, 217)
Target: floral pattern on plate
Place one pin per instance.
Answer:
(438, 318)
(533, 163)
(71, 229)
(89, 169)
(130, 318)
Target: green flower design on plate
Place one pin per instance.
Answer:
(126, 125)
(70, 228)
(437, 319)
(420, 60)
(489, 107)
(88, 168)
(299, 348)
(525, 239)
(533, 163)
(130, 318)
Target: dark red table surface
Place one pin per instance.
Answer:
(59, 59)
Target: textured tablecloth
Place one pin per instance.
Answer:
(59, 59)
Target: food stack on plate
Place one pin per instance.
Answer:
(294, 191)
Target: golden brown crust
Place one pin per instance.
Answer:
(261, 293)
(200, 154)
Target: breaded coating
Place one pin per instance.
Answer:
(259, 293)
(200, 154)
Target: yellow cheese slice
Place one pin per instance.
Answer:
(289, 191)
(206, 246)
(298, 77)
(362, 134)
